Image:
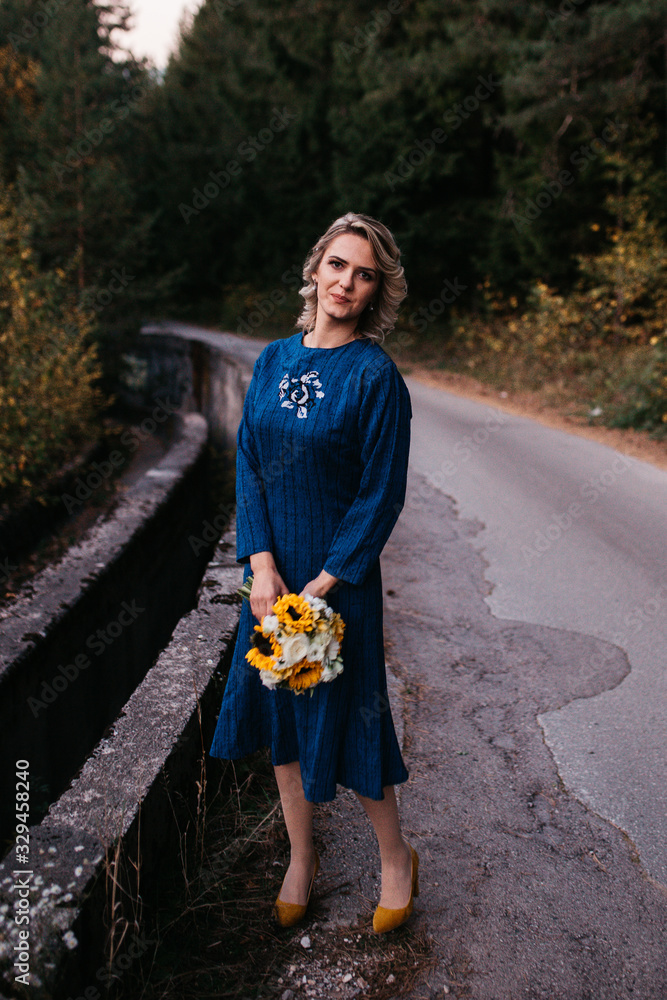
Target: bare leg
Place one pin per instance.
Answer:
(394, 852)
(298, 813)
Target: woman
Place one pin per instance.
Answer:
(321, 472)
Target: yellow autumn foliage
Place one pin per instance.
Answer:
(18, 76)
(607, 338)
(49, 370)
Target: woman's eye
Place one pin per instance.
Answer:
(335, 263)
(366, 276)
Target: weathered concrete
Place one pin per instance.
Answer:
(82, 633)
(95, 857)
(202, 369)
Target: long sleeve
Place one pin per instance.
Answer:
(253, 530)
(384, 430)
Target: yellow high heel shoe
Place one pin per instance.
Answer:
(386, 920)
(289, 914)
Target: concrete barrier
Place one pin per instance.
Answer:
(200, 369)
(79, 638)
(96, 857)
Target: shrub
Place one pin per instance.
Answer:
(605, 341)
(645, 406)
(49, 400)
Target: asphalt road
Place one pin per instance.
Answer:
(525, 594)
(525, 891)
(574, 536)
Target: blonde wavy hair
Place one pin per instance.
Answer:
(377, 322)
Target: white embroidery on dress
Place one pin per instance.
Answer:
(300, 392)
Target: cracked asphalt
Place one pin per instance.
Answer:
(526, 892)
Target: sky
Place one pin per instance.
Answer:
(156, 27)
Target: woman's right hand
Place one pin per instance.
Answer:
(267, 584)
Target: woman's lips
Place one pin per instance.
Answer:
(339, 298)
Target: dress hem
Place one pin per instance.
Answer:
(309, 795)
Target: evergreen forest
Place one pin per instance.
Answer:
(518, 151)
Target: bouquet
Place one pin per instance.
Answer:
(298, 645)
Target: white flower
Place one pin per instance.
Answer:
(332, 669)
(333, 649)
(319, 645)
(269, 679)
(294, 648)
(70, 940)
(269, 624)
(316, 603)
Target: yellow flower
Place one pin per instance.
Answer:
(276, 647)
(337, 627)
(259, 660)
(260, 653)
(294, 613)
(306, 673)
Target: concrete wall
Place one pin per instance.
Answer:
(197, 370)
(95, 858)
(80, 637)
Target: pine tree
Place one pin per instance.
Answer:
(66, 152)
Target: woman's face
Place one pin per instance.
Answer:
(347, 277)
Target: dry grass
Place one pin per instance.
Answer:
(214, 926)
(563, 404)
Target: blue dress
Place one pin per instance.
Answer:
(321, 468)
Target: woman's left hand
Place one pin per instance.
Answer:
(320, 586)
